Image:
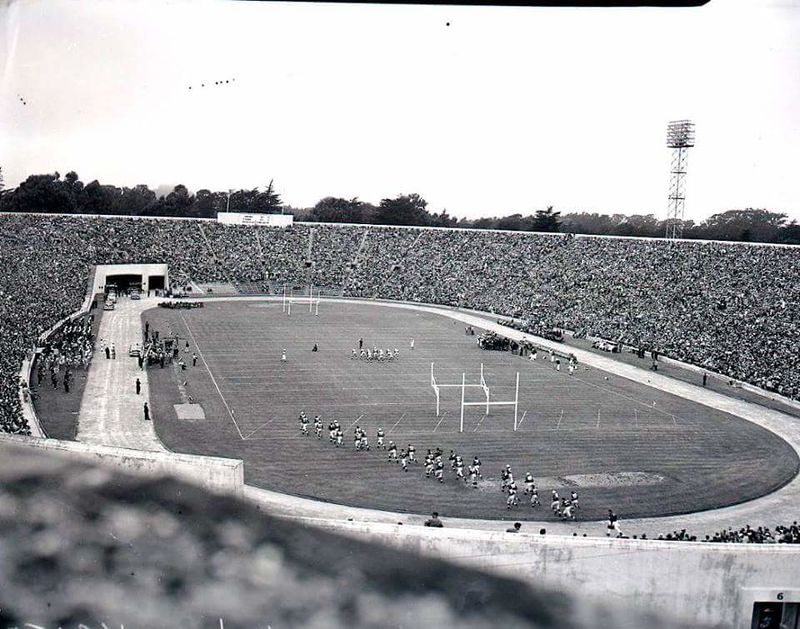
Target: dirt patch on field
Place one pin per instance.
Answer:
(599, 479)
(613, 479)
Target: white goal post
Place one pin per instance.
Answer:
(289, 299)
(482, 385)
(514, 402)
(436, 386)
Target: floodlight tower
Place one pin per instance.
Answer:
(680, 137)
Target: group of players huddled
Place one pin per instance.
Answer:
(434, 465)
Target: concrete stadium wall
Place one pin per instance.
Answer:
(145, 270)
(219, 475)
(711, 584)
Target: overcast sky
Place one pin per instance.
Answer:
(505, 110)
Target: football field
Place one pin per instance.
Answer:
(619, 444)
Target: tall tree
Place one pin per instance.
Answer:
(178, 202)
(337, 210)
(269, 201)
(749, 224)
(41, 193)
(546, 220)
(409, 209)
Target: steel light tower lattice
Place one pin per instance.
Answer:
(680, 137)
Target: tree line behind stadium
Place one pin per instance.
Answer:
(52, 193)
(730, 308)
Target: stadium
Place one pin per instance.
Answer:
(656, 379)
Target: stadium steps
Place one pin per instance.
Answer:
(354, 263)
(217, 262)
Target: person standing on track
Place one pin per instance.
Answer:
(146, 412)
(613, 524)
(138, 386)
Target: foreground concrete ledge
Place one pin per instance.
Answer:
(714, 584)
(216, 474)
(529, 535)
(85, 546)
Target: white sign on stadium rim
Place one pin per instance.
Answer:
(268, 220)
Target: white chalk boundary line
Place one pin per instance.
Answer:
(213, 379)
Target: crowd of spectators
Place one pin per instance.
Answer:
(781, 534)
(730, 308)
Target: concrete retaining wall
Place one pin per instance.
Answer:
(219, 475)
(695, 582)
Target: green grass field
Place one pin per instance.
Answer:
(590, 423)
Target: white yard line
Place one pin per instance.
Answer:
(479, 423)
(558, 425)
(250, 434)
(522, 420)
(440, 421)
(395, 424)
(355, 422)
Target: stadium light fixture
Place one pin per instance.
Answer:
(680, 137)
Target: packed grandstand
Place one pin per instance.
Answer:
(730, 308)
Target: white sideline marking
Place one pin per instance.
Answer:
(213, 379)
(395, 424)
(634, 400)
(440, 421)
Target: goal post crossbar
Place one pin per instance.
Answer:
(512, 403)
(487, 403)
(436, 386)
